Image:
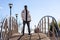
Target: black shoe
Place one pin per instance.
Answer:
(29, 34)
(22, 34)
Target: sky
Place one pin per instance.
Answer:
(37, 8)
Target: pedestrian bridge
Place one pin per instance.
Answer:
(48, 30)
(48, 25)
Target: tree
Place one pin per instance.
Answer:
(59, 24)
(54, 28)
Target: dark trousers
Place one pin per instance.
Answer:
(28, 24)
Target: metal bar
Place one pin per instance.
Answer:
(42, 25)
(45, 24)
(48, 26)
(1, 31)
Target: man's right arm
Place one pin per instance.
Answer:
(22, 15)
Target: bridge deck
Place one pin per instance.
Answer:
(33, 36)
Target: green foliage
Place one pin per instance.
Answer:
(59, 24)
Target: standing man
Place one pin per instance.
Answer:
(26, 18)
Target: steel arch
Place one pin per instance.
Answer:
(53, 19)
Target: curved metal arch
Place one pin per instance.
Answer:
(2, 28)
(3, 21)
(48, 16)
(8, 18)
(39, 24)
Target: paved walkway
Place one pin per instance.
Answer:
(34, 36)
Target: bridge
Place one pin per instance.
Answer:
(48, 25)
(48, 30)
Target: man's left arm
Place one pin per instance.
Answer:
(29, 16)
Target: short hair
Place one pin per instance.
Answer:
(25, 6)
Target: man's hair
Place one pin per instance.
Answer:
(25, 6)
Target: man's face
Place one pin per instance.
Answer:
(25, 7)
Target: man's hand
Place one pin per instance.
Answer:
(30, 21)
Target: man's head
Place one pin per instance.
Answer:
(25, 6)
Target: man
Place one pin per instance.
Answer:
(26, 18)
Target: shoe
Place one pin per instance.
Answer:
(29, 34)
(22, 34)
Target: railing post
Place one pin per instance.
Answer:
(42, 25)
(1, 31)
(48, 26)
(45, 24)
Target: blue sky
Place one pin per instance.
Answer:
(37, 8)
